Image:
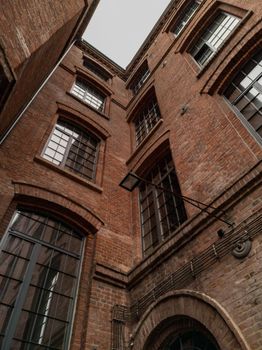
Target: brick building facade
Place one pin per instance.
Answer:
(175, 263)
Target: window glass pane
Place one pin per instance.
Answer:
(5, 312)
(18, 246)
(89, 94)
(12, 266)
(9, 290)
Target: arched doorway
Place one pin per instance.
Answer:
(187, 320)
(181, 333)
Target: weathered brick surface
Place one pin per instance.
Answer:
(216, 158)
(33, 37)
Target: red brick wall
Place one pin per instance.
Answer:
(216, 158)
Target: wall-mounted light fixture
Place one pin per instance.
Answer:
(132, 180)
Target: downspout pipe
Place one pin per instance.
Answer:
(21, 113)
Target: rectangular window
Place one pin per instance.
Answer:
(184, 19)
(140, 78)
(162, 212)
(245, 92)
(71, 148)
(146, 118)
(213, 37)
(96, 69)
(88, 94)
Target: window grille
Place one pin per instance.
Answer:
(161, 212)
(146, 119)
(186, 16)
(88, 94)
(245, 92)
(71, 148)
(40, 261)
(140, 78)
(213, 37)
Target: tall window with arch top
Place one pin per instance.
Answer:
(40, 260)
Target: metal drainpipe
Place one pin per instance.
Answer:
(20, 114)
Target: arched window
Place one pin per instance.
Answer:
(73, 149)
(40, 261)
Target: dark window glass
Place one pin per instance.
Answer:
(38, 281)
(6, 83)
(192, 340)
(213, 37)
(245, 92)
(96, 69)
(140, 78)
(146, 118)
(161, 212)
(88, 94)
(73, 149)
(184, 19)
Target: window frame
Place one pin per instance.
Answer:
(62, 167)
(155, 193)
(91, 90)
(250, 86)
(32, 261)
(180, 17)
(147, 122)
(139, 78)
(205, 42)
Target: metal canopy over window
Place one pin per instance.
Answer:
(213, 37)
(161, 212)
(73, 149)
(88, 94)
(40, 261)
(245, 92)
(146, 118)
(186, 16)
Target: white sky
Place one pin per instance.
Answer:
(119, 27)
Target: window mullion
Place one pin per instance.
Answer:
(68, 146)
(20, 299)
(157, 214)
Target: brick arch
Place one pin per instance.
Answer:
(196, 306)
(152, 153)
(86, 121)
(37, 197)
